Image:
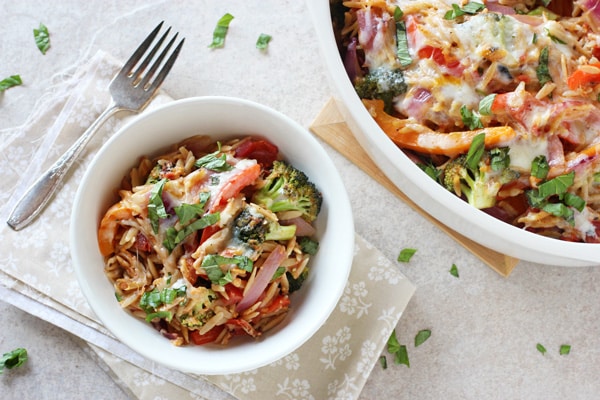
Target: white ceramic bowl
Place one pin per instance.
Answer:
(221, 118)
(431, 197)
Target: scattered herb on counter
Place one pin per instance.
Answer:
(13, 359)
(398, 350)
(422, 337)
(402, 356)
(221, 31)
(42, 38)
(263, 41)
(383, 361)
(454, 271)
(565, 349)
(540, 348)
(13, 80)
(406, 254)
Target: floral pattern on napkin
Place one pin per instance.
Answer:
(333, 364)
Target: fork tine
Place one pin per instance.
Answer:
(156, 63)
(139, 52)
(166, 68)
(136, 76)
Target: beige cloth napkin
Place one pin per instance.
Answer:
(36, 271)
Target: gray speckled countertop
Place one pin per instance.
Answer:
(484, 327)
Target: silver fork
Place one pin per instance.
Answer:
(130, 90)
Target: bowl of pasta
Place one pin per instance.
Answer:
(212, 235)
(486, 114)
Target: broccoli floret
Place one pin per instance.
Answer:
(296, 283)
(383, 84)
(197, 309)
(252, 227)
(479, 185)
(308, 245)
(280, 232)
(288, 189)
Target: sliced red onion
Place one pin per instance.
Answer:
(303, 228)
(263, 277)
(494, 6)
(351, 61)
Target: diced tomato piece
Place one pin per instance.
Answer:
(235, 185)
(261, 150)
(280, 302)
(208, 232)
(584, 77)
(208, 337)
(234, 293)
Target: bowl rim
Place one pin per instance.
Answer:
(480, 227)
(335, 289)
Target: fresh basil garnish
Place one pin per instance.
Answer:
(42, 38)
(221, 31)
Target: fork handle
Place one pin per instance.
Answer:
(37, 195)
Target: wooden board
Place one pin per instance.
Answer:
(331, 127)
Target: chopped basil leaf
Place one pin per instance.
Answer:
(398, 350)
(557, 186)
(150, 301)
(156, 207)
(470, 119)
(534, 39)
(118, 296)
(565, 349)
(572, 200)
(454, 13)
(13, 359)
(221, 31)
(406, 254)
(476, 150)
(216, 275)
(402, 356)
(485, 105)
(430, 170)
(540, 167)
(471, 8)
(402, 44)
(13, 80)
(242, 262)
(174, 237)
(454, 271)
(278, 272)
(168, 315)
(540, 348)
(186, 212)
(392, 343)
(398, 13)
(560, 210)
(42, 38)
(383, 361)
(542, 71)
(499, 158)
(214, 162)
(422, 336)
(212, 266)
(263, 41)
